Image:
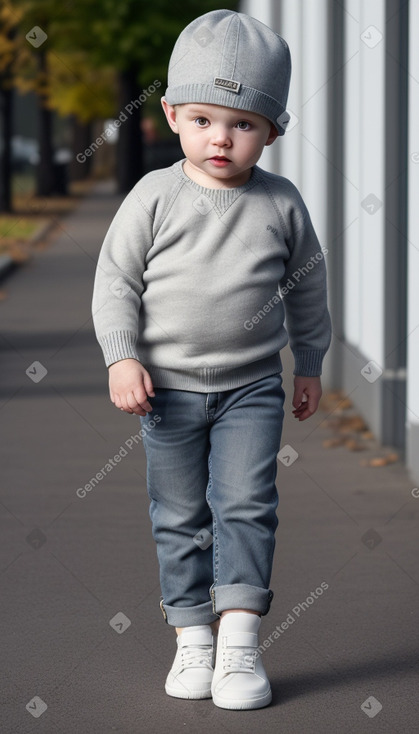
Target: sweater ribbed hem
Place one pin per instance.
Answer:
(308, 362)
(214, 379)
(118, 345)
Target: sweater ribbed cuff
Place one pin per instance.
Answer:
(118, 345)
(308, 362)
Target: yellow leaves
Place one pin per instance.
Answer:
(77, 88)
(69, 84)
(66, 80)
(8, 22)
(351, 431)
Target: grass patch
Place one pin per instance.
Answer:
(16, 233)
(17, 228)
(23, 184)
(31, 213)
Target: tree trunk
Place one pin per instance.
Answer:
(6, 98)
(130, 148)
(45, 167)
(80, 168)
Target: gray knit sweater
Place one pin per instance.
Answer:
(195, 283)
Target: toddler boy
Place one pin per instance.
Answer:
(200, 265)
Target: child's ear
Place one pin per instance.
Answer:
(273, 134)
(170, 113)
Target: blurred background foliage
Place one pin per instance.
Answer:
(98, 56)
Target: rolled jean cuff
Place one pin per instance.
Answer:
(188, 616)
(241, 596)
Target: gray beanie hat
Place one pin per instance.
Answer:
(231, 59)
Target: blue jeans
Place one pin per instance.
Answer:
(211, 469)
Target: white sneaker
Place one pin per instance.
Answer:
(193, 666)
(240, 680)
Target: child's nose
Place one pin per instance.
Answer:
(220, 136)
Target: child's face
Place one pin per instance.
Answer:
(221, 144)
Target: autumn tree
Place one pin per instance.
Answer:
(137, 37)
(8, 30)
(91, 58)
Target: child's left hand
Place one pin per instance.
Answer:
(307, 394)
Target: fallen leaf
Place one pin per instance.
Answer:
(354, 445)
(331, 443)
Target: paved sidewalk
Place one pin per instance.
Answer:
(82, 633)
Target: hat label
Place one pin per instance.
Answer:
(229, 84)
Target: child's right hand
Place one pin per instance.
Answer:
(129, 386)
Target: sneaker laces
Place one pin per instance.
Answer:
(239, 660)
(197, 656)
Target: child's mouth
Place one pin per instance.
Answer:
(220, 161)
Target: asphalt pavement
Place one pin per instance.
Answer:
(84, 648)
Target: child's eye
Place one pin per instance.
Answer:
(201, 121)
(243, 125)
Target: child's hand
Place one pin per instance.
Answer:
(129, 386)
(307, 394)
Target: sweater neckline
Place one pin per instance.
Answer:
(220, 196)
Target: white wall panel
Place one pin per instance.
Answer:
(364, 176)
(372, 130)
(351, 161)
(314, 111)
(290, 143)
(263, 11)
